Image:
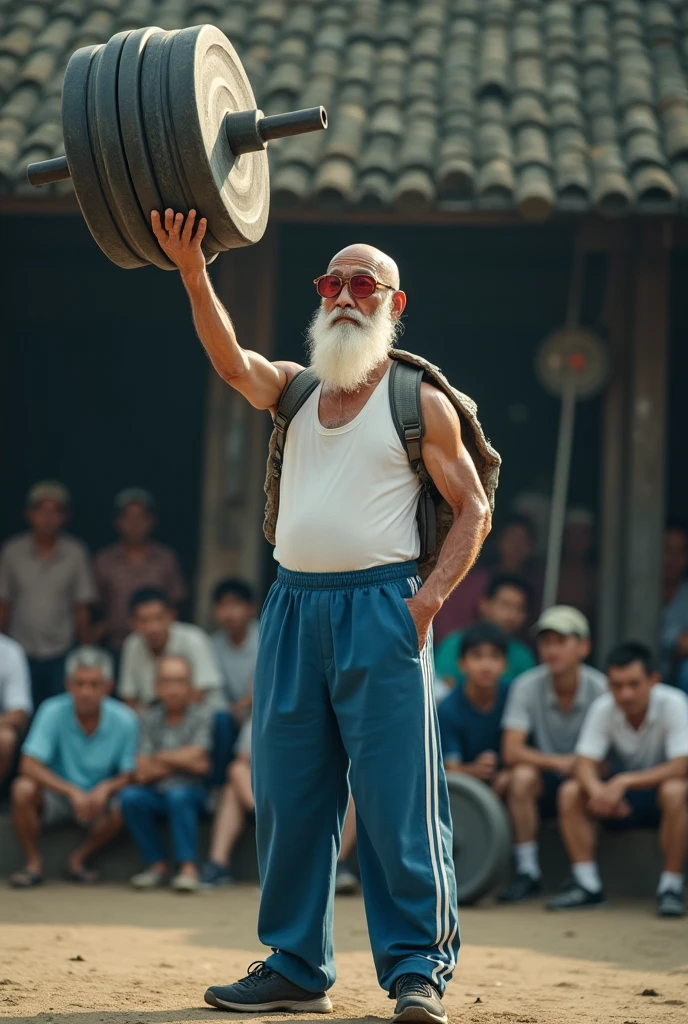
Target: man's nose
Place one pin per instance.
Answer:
(345, 298)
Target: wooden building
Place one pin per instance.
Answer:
(483, 143)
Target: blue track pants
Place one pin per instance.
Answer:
(342, 694)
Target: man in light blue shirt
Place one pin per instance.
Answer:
(80, 751)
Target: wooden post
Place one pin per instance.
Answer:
(645, 496)
(614, 417)
(236, 434)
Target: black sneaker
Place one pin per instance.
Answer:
(522, 887)
(574, 897)
(670, 903)
(264, 989)
(418, 1000)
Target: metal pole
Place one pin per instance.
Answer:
(560, 493)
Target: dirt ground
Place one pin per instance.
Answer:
(112, 956)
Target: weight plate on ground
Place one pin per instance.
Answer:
(482, 837)
(207, 81)
(77, 113)
(112, 164)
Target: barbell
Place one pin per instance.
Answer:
(156, 119)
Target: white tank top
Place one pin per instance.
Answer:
(348, 496)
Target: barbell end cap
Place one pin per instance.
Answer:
(46, 172)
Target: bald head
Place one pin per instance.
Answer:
(362, 258)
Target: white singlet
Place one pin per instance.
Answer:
(348, 496)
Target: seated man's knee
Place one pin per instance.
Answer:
(24, 791)
(672, 793)
(239, 769)
(524, 780)
(131, 796)
(569, 795)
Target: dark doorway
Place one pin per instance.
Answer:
(103, 382)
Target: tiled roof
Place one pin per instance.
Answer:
(489, 104)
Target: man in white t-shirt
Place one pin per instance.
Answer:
(235, 644)
(15, 701)
(641, 727)
(155, 633)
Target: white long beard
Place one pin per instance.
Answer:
(344, 355)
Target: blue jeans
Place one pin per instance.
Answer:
(144, 808)
(47, 678)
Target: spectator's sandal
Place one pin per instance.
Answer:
(25, 879)
(82, 877)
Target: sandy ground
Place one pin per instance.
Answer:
(112, 956)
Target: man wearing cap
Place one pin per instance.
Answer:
(46, 588)
(542, 721)
(134, 562)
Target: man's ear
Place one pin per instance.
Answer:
(482, 605)
(398, 304)
(586, 646)
(655, 678)
(109, 687)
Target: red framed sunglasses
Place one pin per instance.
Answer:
(361, 286)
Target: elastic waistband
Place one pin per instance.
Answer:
(374, 577)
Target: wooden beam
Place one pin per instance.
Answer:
(236, 434)
(646, 497)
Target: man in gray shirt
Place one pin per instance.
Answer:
(542, 720)
(46, 588)
(171, 772)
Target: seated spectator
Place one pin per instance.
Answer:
(505, 605)
(470, 718)
(80, 752)
(46, 588)
(15, 703)
(347, 882)
(512, 555)
(673, 653)
(542, 720)
(235, 644)
(156, 635)
(134, 562)
(235, 806)
(170, 779)
(643, 726)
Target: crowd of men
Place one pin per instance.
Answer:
(114, 714)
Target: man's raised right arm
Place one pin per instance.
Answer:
(256, 378)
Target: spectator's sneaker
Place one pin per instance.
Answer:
(185, 883)
(214, 875)
(418, 1000)
(346, 882)
(148, 879)
(670, 904)
(575, 897)
(264, 989)
(522, 887)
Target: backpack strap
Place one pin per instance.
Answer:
(297, 391)
(404, 399)
(407, 414)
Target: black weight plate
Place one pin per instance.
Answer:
(206, 81)
(132, 124)
(211, 247)
(482, 837)
(114, 172)
(78, 149)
